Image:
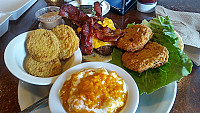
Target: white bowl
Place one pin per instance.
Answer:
(133, 93)
(15, 53)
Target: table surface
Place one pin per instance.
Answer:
(188, 88)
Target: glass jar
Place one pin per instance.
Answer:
(146, 6)
(48, 17)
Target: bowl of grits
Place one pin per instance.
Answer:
(94, 87)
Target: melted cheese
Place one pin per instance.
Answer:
(107, 22)
(98, 43)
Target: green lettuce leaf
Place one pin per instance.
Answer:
(162, 26)
(129, 25)
(178, 64)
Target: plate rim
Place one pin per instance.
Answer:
(173, 88)
(108, 8)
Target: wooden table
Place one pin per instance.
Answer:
(188, 91)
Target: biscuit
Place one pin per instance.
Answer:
(43, 45)
(135, 38)
(153, 55)
(42, 69)
(69, 42)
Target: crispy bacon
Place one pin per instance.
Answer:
(97, 9)
(107, 30)
(86, 44)
(89, 26)
(97, 26)
(109, 37)
(72, 13)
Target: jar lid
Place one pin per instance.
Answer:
(146, 7)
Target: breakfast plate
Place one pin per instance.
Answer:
(160, 101)
(15, 53)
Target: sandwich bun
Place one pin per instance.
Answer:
(96, 57)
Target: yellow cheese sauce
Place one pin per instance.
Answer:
(94, 90)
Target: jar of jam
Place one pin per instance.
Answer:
(146, 6)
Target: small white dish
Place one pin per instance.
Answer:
(105, 5)
(15, 53)
(41, 27)
(4, 22)
(146, 7)
(55, 104)
(15, 7)
(48, 17)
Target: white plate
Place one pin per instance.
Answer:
(105, 6)
(15, 53)
(15, 7)
(160, 101)
(133, 93)
(4, 22)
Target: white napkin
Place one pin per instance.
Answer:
(187, 25)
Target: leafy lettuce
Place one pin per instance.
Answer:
(178, 64)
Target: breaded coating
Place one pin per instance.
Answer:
(43, 45)
(42, 69)
(69, 41)
(153, 55)
(135, 38)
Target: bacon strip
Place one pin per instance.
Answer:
(89, 26)
(72, 13)
(109, 37)
(97, 9)
(86, 42)
(106, 34)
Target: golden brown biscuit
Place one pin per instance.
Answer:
(69, 41)
(135, 38)
(42, 69)
(43, 45)
(153, 55)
